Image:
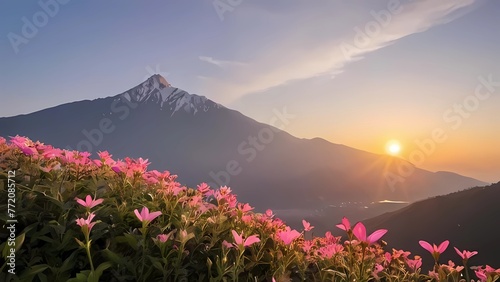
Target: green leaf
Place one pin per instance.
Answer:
(128, 238)
(47, 197)
(94, 276)
(31, 272)
(80, 243)
(18, 243)
(114, 257)
(67, 239)
(68, 263)
(157, 265)
(81, 277)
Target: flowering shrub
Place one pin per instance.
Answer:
(83, 219)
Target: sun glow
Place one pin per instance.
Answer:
(393, 147)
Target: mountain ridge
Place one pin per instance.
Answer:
(221, 146)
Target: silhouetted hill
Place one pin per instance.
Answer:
(470, 219)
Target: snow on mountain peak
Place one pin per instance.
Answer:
(160, 79)
(157, 90)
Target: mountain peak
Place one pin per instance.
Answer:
(160, 80)
(157, 90)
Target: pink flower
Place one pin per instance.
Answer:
(414, 264)
(86, 222)
(145, 216)
(345, 225)
(481, 275)
(52, 153)
(223, 195)
(329, 251)
(387, 258)
(434, 275)
(465, 255)
(24, 144)
(287, 236)
(307, 226)
(451, 267)
(151, 177)
(106, 157)
(269, 213)
(378, 268)
(399, 253)
(238, 239)
(163, 237)
(330, 239)
(116, 169)
(307, 246)
(244, 207)
(89, 202)
(490, 269)
(247, 218)
(360, 233)
(433, 249)
(28, 151)
(227, 244)
(203, 188)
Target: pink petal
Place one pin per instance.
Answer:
(138, 214)
(88, 200)
(481, 275)
(307, 225)
(81, 202)
(346, 222)
(341, 226)
(80, 221)
(345, 225)
(227, 244)
(375, 236)
(426, 246)
(144, 213)
(360, 231)
(238, 239)
(442, 247)
(251, 240)
(153, 215)
(459, 253)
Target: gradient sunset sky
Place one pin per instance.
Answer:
(357, 73)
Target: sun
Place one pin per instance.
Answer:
(393, 147)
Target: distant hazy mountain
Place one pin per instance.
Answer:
(202, 141)
(469, 219)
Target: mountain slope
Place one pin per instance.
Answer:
(203, 141)
(469, 219)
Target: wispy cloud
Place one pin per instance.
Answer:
(288, 60)
(220, 63)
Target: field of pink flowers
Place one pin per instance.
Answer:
(83, 219)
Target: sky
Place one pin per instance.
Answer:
(358, 73)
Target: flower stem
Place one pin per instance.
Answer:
(362, 263)
(466, 270)
(87, 248)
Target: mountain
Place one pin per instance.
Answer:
(203, 141)
(468, 219)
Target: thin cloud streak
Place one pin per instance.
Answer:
(279, 67)
(220, 63)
